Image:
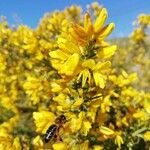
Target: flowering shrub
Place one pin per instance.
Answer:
(60, 91)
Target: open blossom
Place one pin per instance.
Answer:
(147, 136)
(43, 120)
(75, 54)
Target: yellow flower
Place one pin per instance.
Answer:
(2, 62)
(25, 38)
(144, 19)
(70, 65)
(43, 120)
(73, 59)
(85, 145)
(123, 79)
(86, 126)
(60, 146)
(7, 127)
(36, 88)
(99, 71)
(138, 35)
(147, 105)
(118, 140)
(77, 103)
(16, 144)
(105, 105)
(98, 147)
(140, 115)
(10, 143)
(38, 143)
(91, 32)
(63, 101)
(107, 52)
(76, 122)
(147, 136)
(80, 123)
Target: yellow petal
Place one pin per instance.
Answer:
(79, 31)
(77, 103)
(76, 123)
(69, 47)
(90, 63)
(61, 40)
(106, 31)
(98, 147)
(106, 131)
(60, 146)
(76, 36)
(102, 66)
(118, 140)
(100, 20)
(100, 80)
(88, 24)
(39, 55)
(124, 73)
(37, 142)
(107, 52)
(43, 120)
(58, 54)
(70, 65)
(147, 105)
(85, 74)
(147, 136)
(86, 125)
(16, 144)
(84, 146)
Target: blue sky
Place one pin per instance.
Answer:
(29, 12)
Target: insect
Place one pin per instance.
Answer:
(53, 130)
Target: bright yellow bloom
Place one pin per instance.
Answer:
(2, 62)
(123, 79)
(138, 35)
(118, 140)
(86, 126)
(70, 65)
(60, 146)
(141, 115)
(36, 88)
(147, 136)
(10, 143)
(80, 123)
(91, 32)
(24, 37)
(16, 144)
(105, 105)
(38, 143)
(107, 52)
(43, 120)
(98, 70)
(74, 59)
(147, 104)
(76, 122)
(98, 147)
(77, 103)
(144, 19)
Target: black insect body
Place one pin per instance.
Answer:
(53, 130)
(50, 133)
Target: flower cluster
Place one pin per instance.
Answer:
(60, 90)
